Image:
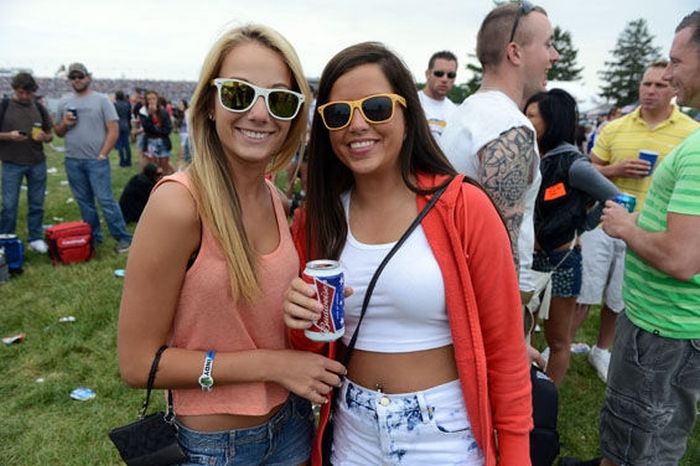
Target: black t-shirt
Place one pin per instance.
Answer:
(22, 117)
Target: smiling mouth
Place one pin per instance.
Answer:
(360, 145)
(257, 135)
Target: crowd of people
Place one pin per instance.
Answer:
(483, 218)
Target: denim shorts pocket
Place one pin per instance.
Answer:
(301, 408)
(197, 460)
(450, 420)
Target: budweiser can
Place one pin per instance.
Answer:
(328, 279)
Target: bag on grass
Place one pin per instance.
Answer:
(14, 252)
(70, 242)
(544, 438)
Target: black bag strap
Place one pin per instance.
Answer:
(149, 386)
(380, 268)
(3, 108)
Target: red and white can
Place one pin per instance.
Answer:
(328, 279)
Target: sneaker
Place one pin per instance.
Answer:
(122, 247)
(580, 348)
(39, 245)
(600, 360)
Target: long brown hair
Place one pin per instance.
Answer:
(326, 227)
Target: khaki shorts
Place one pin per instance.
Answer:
(603, 270)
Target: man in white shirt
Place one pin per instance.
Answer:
(489, 138)
(439, 80)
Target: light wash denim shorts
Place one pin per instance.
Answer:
(284, 440)
(428, 427)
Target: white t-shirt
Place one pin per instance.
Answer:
(437, 112)
(480, 119)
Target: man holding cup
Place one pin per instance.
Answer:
(626, 151)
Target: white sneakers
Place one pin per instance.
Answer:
(600, 360)
(39, 245)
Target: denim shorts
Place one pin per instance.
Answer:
(155, 147)
(566, 280)
(425, 427)
(651, 399)
(284, 440)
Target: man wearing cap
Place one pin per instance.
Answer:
(439, 80)
(89, 124)
(24, 126)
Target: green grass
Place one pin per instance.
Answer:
(43, 426)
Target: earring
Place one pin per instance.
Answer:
(211, 117)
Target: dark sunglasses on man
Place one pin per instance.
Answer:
(524, 10)
(74, 76)
(440, 74)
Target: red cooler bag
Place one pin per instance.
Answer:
(70, 242)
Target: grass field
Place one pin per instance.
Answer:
(42, 425)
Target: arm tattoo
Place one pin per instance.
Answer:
(505, 173)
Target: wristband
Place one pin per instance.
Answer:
(206, 381)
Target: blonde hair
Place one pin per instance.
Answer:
(209, 173)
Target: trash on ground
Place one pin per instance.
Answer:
(67, 319)
(119, 273)
(19, 338)
(52, 170)
(70, 200)
(83, 394)
(40, 380)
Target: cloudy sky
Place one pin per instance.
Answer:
(162, 39)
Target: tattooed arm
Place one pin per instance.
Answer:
(505, 172)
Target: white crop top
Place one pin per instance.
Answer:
(407, 310)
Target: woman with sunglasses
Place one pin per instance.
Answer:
(156, 125)
(217, 241)
(570, 185)
(440, 362)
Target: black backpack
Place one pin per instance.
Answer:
(544, 438)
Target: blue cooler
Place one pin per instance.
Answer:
(14, 252)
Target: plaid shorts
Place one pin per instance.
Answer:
(566, 279)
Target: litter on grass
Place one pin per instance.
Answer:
(83, 394)
(66, 319)
(119, 273)
(19, 338)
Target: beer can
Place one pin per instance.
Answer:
(626, 200)
(326, 276)
(74, 111)
(36, 130)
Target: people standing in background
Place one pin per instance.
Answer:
(25, 125)
(123, 145)
(90, 126)
(657, 126)
(157, 126)
(439, 80)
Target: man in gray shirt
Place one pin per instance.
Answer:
(89, 124)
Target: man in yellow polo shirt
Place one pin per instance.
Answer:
(655, 126)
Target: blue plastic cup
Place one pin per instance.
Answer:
(649, 156)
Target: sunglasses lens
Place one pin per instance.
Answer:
(337, 115)
(451, 75)
(236, 95)
(439, 74)
(283, 104)
(378, 109)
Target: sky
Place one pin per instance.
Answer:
(159, 39)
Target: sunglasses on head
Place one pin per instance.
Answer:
(75, 76)
(375, 109)
(525, 9)
(239, 96)
(440, 74)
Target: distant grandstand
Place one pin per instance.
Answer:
(54, 89)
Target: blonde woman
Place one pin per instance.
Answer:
(216, 239)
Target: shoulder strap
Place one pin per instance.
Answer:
(375, 277)
(44, 114)
(151, 380)
(3, 108)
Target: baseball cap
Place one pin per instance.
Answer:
(77, 67)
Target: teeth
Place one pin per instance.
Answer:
(253, 134)
(361, 144)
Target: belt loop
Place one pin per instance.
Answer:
(426, 411)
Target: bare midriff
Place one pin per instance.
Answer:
(222, 422)
(402, 372)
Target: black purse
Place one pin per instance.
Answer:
(327, 440)
(152, 440)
